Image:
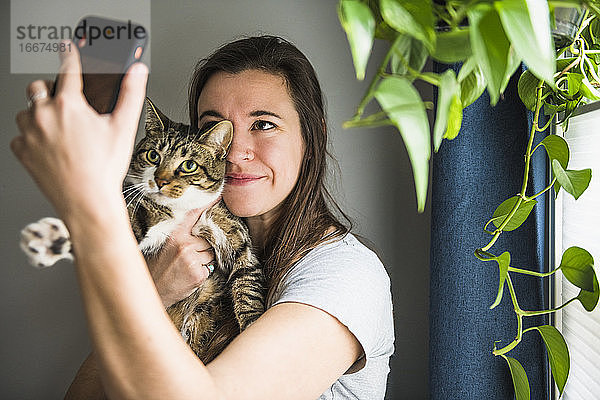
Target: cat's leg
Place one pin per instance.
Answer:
(247, 289)
(232, 245)
(195, 316)
(46, 242)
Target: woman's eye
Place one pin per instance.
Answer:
(188, 166)
(153, 157)
(262, 125)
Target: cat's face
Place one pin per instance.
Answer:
(178, 166)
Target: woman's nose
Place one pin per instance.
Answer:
(241, 149)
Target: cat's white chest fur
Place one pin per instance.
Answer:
(158, 234)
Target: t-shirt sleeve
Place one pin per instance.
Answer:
(349, 282)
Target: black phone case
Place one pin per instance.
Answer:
(107, 48)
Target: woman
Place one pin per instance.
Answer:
(328, 329)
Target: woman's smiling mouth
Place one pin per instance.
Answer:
(242, 179)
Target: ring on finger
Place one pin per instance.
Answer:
(210, 267)
(42, 94)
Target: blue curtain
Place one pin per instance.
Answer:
(472, 175)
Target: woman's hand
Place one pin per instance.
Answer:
(180, 267)
(78, 157)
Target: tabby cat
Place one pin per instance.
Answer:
(174, 169)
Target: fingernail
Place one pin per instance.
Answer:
(138, 68)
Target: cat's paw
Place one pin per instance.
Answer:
(46, 242)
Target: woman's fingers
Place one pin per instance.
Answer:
(131, 97)
(37, 93)
(69, 74)
(179, 269)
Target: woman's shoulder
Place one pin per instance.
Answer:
(346, 255)
(340, 265)
(348, 281)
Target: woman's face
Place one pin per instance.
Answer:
(266, 153)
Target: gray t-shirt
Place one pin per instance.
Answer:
(347, 280)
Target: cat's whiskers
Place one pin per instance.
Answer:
(132, 187)
(135, 194)
(135, 207)
(139, 200)
(137, 175)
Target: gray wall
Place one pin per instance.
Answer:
(44, 336)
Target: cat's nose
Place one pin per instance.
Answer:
(161, 182)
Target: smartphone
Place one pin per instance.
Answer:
(107, 48)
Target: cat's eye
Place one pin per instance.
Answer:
(152, 156)
(262, 125)
(188, 166)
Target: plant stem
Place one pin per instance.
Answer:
(534, 273)
(543, 312)
(592, 70)
(367, 124)
(514, 343)
(521, 196)
(371, 90)
(567, 68)
(543, 191)
(543, 128)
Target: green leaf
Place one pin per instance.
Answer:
(385, 32)
(359, 24)
(588, 299)
(503, 264)
(519, 377)
(514, 62)
(551, 109)
(472, 84)
(449, 109)
(490, 46)
(400, 100)
(455, 114)
(527, 25)
(588, 90)
(518, 218)
(594, 30)
(574, 182)
(527, 89)
(412, 17)
(452, 46)
(382, 30)
(558, 354)
(557, 149)
(573, 83)
(563, 63)
(577, 265)
(407, 50)
(466, 68)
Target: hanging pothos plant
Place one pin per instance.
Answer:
(490, 39)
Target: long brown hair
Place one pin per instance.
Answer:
(305, 216)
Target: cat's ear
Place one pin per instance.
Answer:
(156, 121)
(220, 137)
